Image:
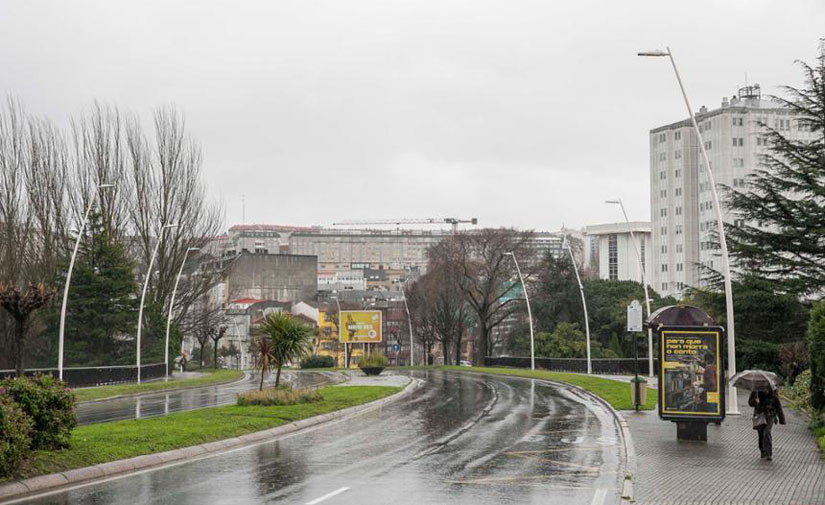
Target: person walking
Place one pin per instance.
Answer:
(767, 410)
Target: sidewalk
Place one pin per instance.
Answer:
(727, 469)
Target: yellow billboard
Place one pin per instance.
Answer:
(360, 326)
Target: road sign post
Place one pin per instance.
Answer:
(635, 326)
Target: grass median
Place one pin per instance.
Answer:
(616, 393)
(212, 377)
(104, 442)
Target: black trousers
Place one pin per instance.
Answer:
(766, 439)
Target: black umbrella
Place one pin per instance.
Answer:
(679, 315)
(756, 380)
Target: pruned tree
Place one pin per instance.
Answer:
(421, 314)
(21, 306)
(216, 334)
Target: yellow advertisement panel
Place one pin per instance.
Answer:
(360, 326)
(690, 378)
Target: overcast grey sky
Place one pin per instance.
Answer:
(522, 113)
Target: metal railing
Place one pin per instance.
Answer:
(97, 376)
(616, 366)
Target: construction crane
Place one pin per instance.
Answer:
(398, 222)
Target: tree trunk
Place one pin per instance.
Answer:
(261, 387)
(19, 341)
(201, 355)
(278, 376)
(215, 354)
(458, 350)
(445, 352)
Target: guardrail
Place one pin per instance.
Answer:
(617, 366)
(98, 376)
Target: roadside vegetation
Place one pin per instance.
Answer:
(211, 377)
(616, 393)
(104, 442)
(279, 396)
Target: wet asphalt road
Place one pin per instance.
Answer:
(160, 404)
(458, 439)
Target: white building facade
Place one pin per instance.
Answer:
(609, 250)
(681, 206)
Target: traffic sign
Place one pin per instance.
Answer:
(634, 316)
(396, 347)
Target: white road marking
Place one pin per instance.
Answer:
(598, 498)
(576, 440)
(327, 496)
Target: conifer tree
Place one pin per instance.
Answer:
(102, 305)
(778, 233)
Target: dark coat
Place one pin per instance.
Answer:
(768, 404)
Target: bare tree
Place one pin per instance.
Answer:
(486, 275)
(166, 187)
(420, 306)
(216, 334)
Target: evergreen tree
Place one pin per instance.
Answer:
(778, 234)
(102, 305)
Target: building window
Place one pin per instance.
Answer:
(662, 137)
(677, 154)
(664, 267)
(678, 191)
(738, 141)
(663, 212)
(678, 248)
(677, 136)
(664, 248)
(708, 145)
(664, 230)
(677, 173)
(613, 256)
(678, 267)
(678, 211)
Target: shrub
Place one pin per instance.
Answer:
(793, 358)
(757, 355)
(801, 388)
(373, 359)
(15, 430)
(278, 396)
(49, 404)
(816, 351)
(318, 362)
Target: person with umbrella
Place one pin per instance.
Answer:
(767, 409)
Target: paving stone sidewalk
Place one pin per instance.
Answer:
(727, 469)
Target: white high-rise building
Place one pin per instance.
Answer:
(609, 250)
(681, 207)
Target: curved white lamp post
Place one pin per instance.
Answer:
(409, 321)
(733, 404)
(62, 333)
(143, 295)
(565, 243)
(644, 283)
(529, 313)
(172, 305)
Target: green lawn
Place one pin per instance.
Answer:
(616, 393)
(212, 377)
(100, 443)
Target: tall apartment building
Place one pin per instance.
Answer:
(681, 206)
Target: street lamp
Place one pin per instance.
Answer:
(338, 327)
(529, 313)
(143, 295)
(565, 243)
(172, 304)
(409, 321)
(644, 283)
(733, 404)
(62, 332)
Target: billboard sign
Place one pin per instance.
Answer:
(360, 326)
(691, 378)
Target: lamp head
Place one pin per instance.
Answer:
(656, 53)
(171, 225)
(194, 249)
(105, 186)
(613, 202)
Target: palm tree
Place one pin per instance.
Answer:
(291, 340)
(262, 351)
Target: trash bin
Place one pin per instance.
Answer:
(642, 390)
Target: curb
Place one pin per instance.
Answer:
(121, 468)
(246, 375)
(627, 496)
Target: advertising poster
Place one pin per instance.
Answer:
(360, 326)
(691, 373)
